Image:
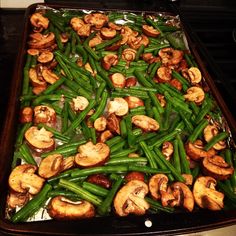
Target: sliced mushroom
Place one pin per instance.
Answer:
(26, 115)
(109, 60)
(150, 31)
(170, 56)
(45, 57)
(40, 41)
(164, 74)
(64, 37)
(217, 167)
(195, 75)
(135, 175)
(176, 83)
(79, 103)
(134, 102)
(114, 26)
(136, 42)
(33, 52)
(157, 185)
(92, 155)
(39, 89)
(67, 163)
(205, 194)
(195, 94)
(118, 80)
(96, 19)
(161, 99)
(37, 81)
(130, 199)
(129, 54)
(100, 180)
(39, 21)
(183, 196)
(15, 199)
(113, 124)
(100, 123)
(126, 33)
(167, 150)
(23, 179)
(44, 114)
(39, 139)
(196, 152)
(62, 208)
(107, 33)
(145, 122)
(95, 40)
(50, 166)
(118, 106)
(130, 82)
(188, 179)
(76, 23)
(84, 31)
(49, 76)
(105, 135)
(209, 132)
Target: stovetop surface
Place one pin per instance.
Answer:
(213, 24)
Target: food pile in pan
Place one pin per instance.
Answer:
(116, 119)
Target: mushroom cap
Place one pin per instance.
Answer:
(62, 208)
(145, 122)
(205, 194)
(23, 179)
(130, 198)
(118, 106)
(92, 155)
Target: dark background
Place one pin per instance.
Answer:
(213, 24)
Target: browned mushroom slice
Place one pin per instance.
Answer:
(44, 114)
(157, 185)
(161, 99)
(107, 33)
(176, 83)
(62, 208)
(95, 40)
(26, 115)
(134, 102)
(150, 31)
(23, 179)
(164, 74)
(135, 175)
(100, 180)
(92, 155)
(79, 103)
(118, 80)
(205, 194)
(127, 33)
(50, 166)
(167, 150)
(136, 42)
(130, 82)
(195, 75)
(84, 31)
(196, 152)
(40, 139)
(105, 135)
(39, 21)
(76, 23)
(118, 106)
(114, 26)
(129, 54)
(170, 56)
(188, 179)
(64, 37)
(145, 122)
(109, 60)
(183, 196)
(39, 89)
(49, 76)
(67, 163)
(40, 41)
(209, 132)
(35, 79)
(100, 123)
(15, 199)
(217, 167)
(96, 19)
(33, 52)
(195, 94)
(130, 199)
(45, 57)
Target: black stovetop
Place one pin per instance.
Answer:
(212, 22)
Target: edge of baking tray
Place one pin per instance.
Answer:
(161, 224)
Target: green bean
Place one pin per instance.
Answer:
(166, 117)
(147, 169)
(194, 107)
(58, 38)
(227, 191)
(64, 67)
(145, 137)
(65, 115)
(25, 86)
(155, 205)
(105, 78)
(123, 129)
(71, 114)
(156, 47)
(219, 137)
(27, 156)
(21, 133)
(93, 135)
(195, 171)
(137, 132)
(173, 170)
(123, 153)
(101, 107)
(130, 136)
(156, 102)
(148, 154)
(65, 193)
(104, 208)
(139, 52)
(176, 158)
(95, 189)
(42, 98)
(183, 157)
(54, 86)
(114, 141)
(180, 78)
(154, 69)
(203, 111)
(157, 116)
(229, 159)
(133, 92)
(80, 117)
(32, 206)
(171, 90)
(141, 78)
(55, 132)
(186, 121)
(165, 138)
(84, 194)
(127, 160)
(91, 52)
(137, 110)
(67, 49)
(188, 59)
(198, 130)
(152, 23)
(81, 51)
(117, 146)
(141, 88)
(108, 42)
